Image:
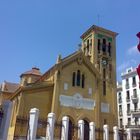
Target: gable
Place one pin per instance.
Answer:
(77, 58)
(78, 96)
(73, 68)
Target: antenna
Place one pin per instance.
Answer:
(98, 17)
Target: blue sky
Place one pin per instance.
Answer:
(34, 32)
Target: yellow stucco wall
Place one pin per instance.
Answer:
(40, 98)
(37, 99)
(90, 82)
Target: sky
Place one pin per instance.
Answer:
(34, 32)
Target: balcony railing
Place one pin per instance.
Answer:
(121, 126)
(134, 84)
(128, 112)
(120, 100)
(134, 98)
(127, 86)
(135, 113)
(120, 113)
(128, 99)
(132, 126)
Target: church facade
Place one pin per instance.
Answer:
(80, 86)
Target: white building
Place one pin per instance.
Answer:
(128, 99)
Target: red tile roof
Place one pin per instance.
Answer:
(33, 71)
(10, 87)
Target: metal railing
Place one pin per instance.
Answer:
(21, 130)
(127, 86)
(132, 126)
(128, 99)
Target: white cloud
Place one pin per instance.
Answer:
(132, 50)
(123, 66)
(126, 65)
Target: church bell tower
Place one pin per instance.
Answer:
(99, 45)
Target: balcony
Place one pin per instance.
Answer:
(128, 112)
(121, 126)
(120, 113)
(132, 126)
(127, 86)
(134, 84)
(120, 100)
(127, 99)
(134, 98)
(135, 113)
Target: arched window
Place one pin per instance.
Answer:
(104, 88)
(109, 49)
(99, 43)
(85, 50)
(88, 49)
(104, 46)
(110, 70)
(90, 42)
(83, 80)
(78, 78)
(87, 42)
(104, 73)
(105, 121)
(73, 79)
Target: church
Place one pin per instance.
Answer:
(80, 86)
